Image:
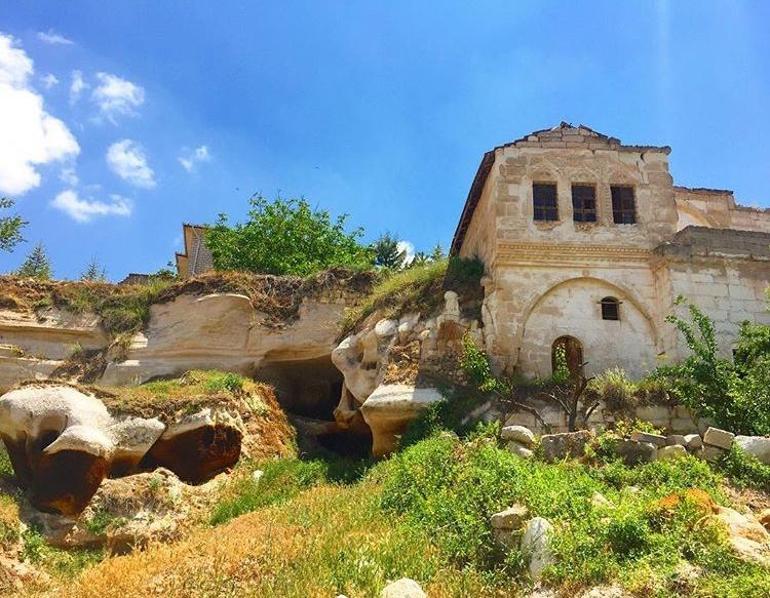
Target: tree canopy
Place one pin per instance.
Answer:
(10, 226)
(286, 236)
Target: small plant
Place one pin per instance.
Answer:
(225, 382)
(745, 470)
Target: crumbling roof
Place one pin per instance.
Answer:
(562, 136)
(717, 242)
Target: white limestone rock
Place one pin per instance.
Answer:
(519, 450)
(519, 434)
(390, 408)
(403, 588)
(671, 453)
(535, 545)
(385, 329)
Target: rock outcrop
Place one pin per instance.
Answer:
(63, 442)
(390, 409)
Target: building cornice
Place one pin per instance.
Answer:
(569, 253)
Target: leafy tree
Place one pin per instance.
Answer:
(94, 272)
(734, 394)
(10, 227)
(37, 265)
(286, 237)
(387, 254)
(420, 259)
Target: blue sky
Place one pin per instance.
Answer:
(156, 113)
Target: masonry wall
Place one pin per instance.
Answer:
(717, 209)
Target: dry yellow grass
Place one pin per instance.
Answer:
(327, 541)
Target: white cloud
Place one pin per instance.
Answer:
(53, 38)
(49, 81)
(126, 158)
(30, 136)
(116, 96)
(408, 248)
(84, 210)
(189, 159)
(69, 176)
(77, 86)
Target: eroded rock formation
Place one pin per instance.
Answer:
(63, 441)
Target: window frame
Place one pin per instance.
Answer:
(605, 304)
(582, 211)
(545, 211)
(621, 212)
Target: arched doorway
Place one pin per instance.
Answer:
(567, 351)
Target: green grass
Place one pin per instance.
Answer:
(62, 564)
(745, 470)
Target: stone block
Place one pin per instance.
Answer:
(511, 518)
(711, 453)
(671, 453)
(654, 439)
(718, 438)
(757, 446)
(565, 445)
(633, 452)
(693, 442)
(676, 439)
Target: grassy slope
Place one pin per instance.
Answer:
(424, 514)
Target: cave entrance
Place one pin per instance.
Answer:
(309, 390)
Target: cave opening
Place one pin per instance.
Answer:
(309, 390)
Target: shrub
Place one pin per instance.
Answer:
(615, 389)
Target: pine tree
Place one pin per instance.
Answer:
(437, 253)
(94, 272)
(37, 265)
(387, 254)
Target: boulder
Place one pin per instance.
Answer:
(390, 409)
(599, 501)
(633, 452)
(671, 453)
(757, 446)
(519, 450)
(674, 439)
(566, 445)
(655, 440)
(518, 434)
(746, 535)
(535, 544)
(385, 329)
(718, 438)
(403, 588)
(62, 442)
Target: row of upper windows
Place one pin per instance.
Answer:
(546, 205)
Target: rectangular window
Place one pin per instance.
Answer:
(584, 203)
(623, 208)
(545, 201)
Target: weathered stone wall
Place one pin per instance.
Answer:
(716, 208)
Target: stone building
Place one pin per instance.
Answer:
(587, 244)
(196, 257)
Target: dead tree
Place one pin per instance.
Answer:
(572, 404)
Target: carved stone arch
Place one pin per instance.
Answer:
(572, 308)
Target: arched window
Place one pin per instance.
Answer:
(610, 308)
(567, 351)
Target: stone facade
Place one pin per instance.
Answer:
(546, 279)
